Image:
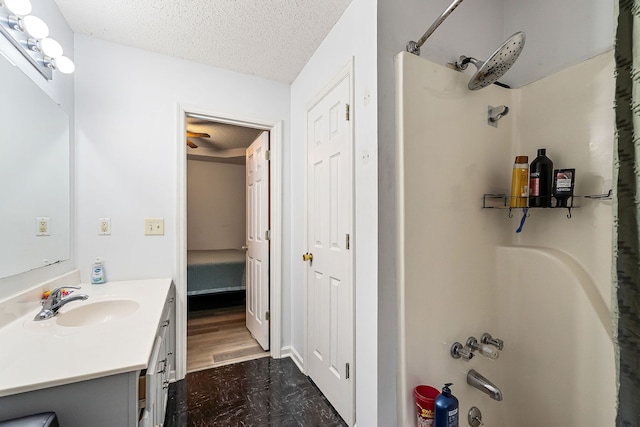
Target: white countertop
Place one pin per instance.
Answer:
(36, 355)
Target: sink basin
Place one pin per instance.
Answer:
(94, 313)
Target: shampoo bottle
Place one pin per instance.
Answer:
(520, 183)
(540, 181)
(97, 272)
(446, 408)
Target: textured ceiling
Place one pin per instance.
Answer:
(225, 144)
(268, 38)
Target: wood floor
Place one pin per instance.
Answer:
(218, 337)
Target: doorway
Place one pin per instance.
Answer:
(222, 165)
(188, 118)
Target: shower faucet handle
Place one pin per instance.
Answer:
(484, 349)
(486, 338)
(458, 351)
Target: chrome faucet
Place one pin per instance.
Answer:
(486, 338)
(51, 306)
(484, 385)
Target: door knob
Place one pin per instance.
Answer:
(307, 257)
(245, 248)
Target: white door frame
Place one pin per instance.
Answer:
(275, 260)
(346, 70)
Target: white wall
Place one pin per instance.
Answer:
(352, 37)
(573, 32)
(448, 157)
(127, 142)
(464, 271)
(571, 114)
(128, 121)
(216, 205)
(560, 34)
(472, 27)
(558, 294)
(128, 104)
(61, 90)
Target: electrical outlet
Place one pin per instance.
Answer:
(154, 226)
(104, 226)
(43, 226)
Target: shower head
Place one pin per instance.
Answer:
(496, 65)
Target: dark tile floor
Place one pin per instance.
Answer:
(261, 392)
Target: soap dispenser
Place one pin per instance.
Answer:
(446, 408)
(97, 272)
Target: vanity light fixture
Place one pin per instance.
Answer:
(33, 26)
(30, 35)
(48, 46)
(62, 64)
(18, 7)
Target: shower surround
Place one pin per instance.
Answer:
(463, 271)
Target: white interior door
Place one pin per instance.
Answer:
(330, 324)
(257, 243)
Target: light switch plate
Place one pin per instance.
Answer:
(154, 226)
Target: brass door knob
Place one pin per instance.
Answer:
(307, 257)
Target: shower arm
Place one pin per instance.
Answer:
(463, 62)
(414, 47)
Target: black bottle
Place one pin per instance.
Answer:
(540, 181)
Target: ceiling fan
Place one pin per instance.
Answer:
(195, 135)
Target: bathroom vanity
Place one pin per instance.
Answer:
(103, 362)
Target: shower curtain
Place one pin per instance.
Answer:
(626, 261)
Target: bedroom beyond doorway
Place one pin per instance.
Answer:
(217, 242)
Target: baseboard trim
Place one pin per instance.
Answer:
(291, 352)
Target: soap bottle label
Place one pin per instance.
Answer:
(452, 418)
(563, 182)
(520, 188)
(97, 275)
(534, 184)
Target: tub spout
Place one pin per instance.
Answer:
(484, 385)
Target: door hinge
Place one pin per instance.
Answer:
(267, 316)
(267, 155)
(348, 242)
(347, 371)
(347, 112)
(267, 235)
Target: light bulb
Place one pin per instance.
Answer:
(64, 65)
(50, 47)
(35, 27)
(19, 7)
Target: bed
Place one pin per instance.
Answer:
(215, 271)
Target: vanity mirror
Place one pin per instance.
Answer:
(34, 175)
